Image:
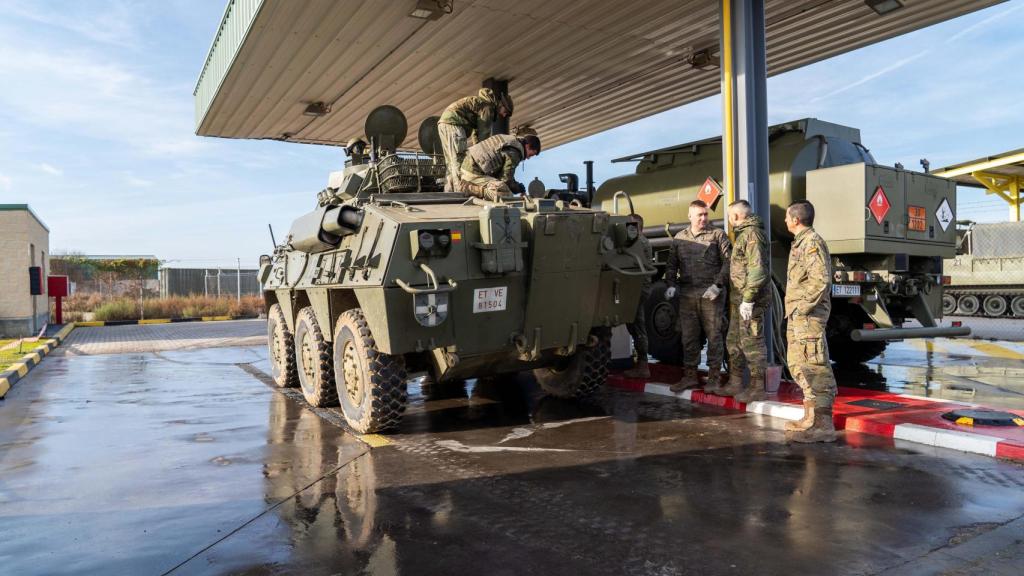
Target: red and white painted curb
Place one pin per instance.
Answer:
(877, 423)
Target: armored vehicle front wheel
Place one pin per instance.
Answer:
(313, 360)
(281, 349)
(371, 384)
(581, 374)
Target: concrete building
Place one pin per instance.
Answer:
(24, 243)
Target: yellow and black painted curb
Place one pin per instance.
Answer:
(96, 323)
(19, 369)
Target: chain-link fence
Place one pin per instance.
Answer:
(987, 275)
(218, 282)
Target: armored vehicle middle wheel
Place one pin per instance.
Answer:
(313, 360)
(582, 373)
(371, 384)
(281, 349)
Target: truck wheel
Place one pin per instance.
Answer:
(313, 360)
(664, 341)
(281, 349)
(841, 348)
(948, 304)
(581, 374)
(967, 305)
(1017, 306)
(371, 384)
(994, 305)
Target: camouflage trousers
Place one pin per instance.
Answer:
(638, 327)
(807, 356)
(745, 340)
(453, 144)
(486, 187)
(695, 314)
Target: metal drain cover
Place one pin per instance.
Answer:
(876, 404)
(973, 417)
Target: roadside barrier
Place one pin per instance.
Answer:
(19, 369)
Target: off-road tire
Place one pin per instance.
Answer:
(317, 379)
(583, 374)
(377, 401)
(281, 349)
(663, 339)
(841, 348)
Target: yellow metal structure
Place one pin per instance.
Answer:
(1002, 175)
(728, 106)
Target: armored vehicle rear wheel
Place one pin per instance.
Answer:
(1017, 306)
(994, 305)
(371, 384)
(313, 360)
(281, 349)
(662, 316)
(582, 373)
(968, 305)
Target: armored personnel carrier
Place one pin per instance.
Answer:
(887, 230)
(389, 274)
(987, 274)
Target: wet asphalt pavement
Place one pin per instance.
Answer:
(186, 462)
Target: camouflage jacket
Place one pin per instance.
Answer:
(748, 266)
(474, 114)
(699, 260)
(809, 277)
(497, 157)
(645, 245)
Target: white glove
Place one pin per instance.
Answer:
(670, 292)
(747, 310)
(712, 292)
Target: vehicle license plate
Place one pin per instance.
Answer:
(490, 299)
(846, 290)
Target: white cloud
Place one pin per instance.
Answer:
(5, 183)
(50, 169)
(136, 182)
(112, 23)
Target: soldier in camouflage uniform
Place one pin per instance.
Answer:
(698, 269)
(638, 327)
(488, 171)
(465, 122)
(808, 303)
(748, 301)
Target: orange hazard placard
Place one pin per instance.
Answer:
(709, 192)
(917, 218)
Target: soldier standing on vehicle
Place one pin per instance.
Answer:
(808, 303)
(698, 269)
(638, 327)
(465, 122)
(749, 290)
(488, 171)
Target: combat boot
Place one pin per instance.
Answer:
(735, 385)
(805, 422)
(715, 382)
(823, 430)
(689, 380)
(641, 370)
(754, 391)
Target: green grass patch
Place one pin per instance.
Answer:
(10, 355)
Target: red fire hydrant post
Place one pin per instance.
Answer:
(57, 287)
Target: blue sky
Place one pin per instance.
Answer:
(96, 125)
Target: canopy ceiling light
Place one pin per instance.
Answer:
(432, 9)
(883, 7)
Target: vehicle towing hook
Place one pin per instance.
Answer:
(435, 288)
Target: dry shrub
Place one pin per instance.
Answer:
(109, 308)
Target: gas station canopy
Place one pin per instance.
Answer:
(1001, 174)
(311, 70)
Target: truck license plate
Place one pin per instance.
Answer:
(846, 290)
(490, 299)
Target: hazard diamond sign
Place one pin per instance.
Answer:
(709, 192)
(879, 204)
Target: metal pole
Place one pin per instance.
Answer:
(218, 282)
(238, 279)
(745, 113)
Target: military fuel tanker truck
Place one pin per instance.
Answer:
(389, 274)
(887, 229)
